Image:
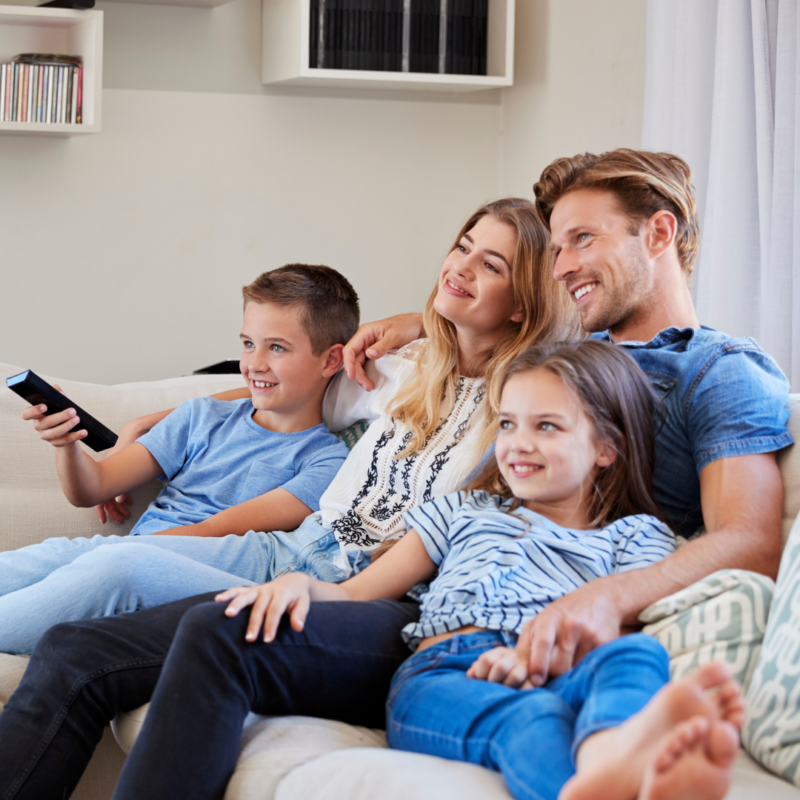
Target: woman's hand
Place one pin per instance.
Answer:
(270, 601)
(506, 665)
(374, 340)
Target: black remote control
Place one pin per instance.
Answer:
(37, 391)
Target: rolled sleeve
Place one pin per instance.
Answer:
(432, 522)
(168, 441)
(737, 405)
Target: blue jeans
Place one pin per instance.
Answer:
(206, 679)
(531, 736)
(61, 580)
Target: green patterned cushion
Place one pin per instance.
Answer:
(771, 732)
(721, 618)
(352, 434)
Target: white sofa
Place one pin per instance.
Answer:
(289, 758)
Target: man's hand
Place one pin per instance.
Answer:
(559, 636)
(270, 601)
(375, 339)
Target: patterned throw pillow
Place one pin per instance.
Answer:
(351, 435)
(721, 618)
(771, 732)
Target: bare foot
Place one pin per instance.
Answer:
(694, 762)
(612, 764)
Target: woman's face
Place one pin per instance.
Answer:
(475, 290)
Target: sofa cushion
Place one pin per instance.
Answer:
(722, 617)
(772, 724)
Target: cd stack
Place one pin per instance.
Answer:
(444, 36)
(42, 88)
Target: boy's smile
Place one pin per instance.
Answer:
(285, 378)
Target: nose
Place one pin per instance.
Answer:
(522, 442)
(259, 361)
(566, 265)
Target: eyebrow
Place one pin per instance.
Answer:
(490, 252)
(271, 339)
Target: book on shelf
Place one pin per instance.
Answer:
(38, 87)
(444, 36)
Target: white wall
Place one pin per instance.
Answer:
(578, 84)
(122, 254)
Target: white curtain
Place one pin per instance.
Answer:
(722, 91)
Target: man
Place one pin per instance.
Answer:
(625, 236)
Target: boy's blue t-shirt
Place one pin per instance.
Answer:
(215, 456)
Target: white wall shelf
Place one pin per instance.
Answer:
(285, 43)
(66, 32)
(184, 3)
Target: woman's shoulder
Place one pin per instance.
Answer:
(410, 351)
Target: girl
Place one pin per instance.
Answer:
(430, 414)
(568, 500)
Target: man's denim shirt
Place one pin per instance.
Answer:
(720, 397)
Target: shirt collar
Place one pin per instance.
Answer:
(661, 339)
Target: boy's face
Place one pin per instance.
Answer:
(281, 371)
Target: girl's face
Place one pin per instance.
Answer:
(547, 448)
(475, 290)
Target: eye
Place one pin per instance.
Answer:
(461, 248)
(582, 238)
(548, 426)
(277, 348)
(492, 267)
(506, 424)
(247, 345)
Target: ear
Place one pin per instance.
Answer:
(332, 360)
(518, 315)
(607, 454)
(659, 233)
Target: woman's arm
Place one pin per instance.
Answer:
(392, 575)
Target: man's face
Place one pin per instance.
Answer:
(605, 268)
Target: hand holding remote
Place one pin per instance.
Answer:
(55, 429)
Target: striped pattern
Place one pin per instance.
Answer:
(498, 569)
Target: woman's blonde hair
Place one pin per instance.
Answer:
(617, 397)
(547, 315)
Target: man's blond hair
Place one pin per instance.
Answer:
(643, 184)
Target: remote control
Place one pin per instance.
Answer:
(37, 391)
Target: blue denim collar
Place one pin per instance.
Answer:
(661, 339)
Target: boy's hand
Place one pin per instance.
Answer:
(115, 509)
(374, 340)
(506, 665)
(270, 601)
(55, 429)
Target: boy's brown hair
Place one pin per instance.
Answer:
(330, 304)
(642, 182)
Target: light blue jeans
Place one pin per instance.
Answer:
(63, 580)
(531, 736)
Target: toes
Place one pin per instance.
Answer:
(711, 675)
(679, 740)
(723, 744)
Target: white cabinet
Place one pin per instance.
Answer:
(64, 32)
(285, 57)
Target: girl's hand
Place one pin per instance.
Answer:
(270, 602)
(505, 665)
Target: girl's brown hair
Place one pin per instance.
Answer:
(547, 315)
(616, 396)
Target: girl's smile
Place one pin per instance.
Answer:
(547, 449)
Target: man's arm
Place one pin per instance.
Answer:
(742, 499)
(278, 510)
(374, 340)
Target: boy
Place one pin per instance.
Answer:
(259, 463)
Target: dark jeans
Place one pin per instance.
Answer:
(203, 678)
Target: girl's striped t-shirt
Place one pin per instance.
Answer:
(498, 568)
